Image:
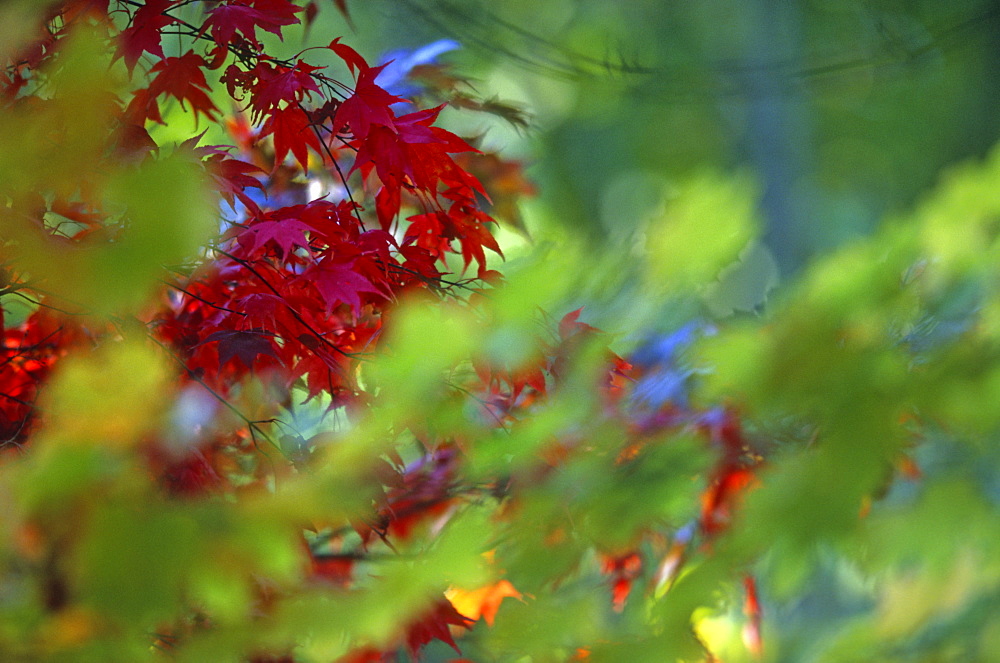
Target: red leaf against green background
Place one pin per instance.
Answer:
(183, 78)
(434, 626)
(245, 16)
(143, 36)
(367, 106)
(351, 57)
(281, 84)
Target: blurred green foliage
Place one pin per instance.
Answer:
(844, 111)
(847, 117)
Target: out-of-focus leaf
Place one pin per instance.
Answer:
(704, 224)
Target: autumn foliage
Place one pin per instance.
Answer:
(285, 303)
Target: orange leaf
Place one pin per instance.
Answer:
(483, 602)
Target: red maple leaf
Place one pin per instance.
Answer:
(433, 625)
(286, 233)
(132, 142)
(411, 148)
(387, 202)
(751, 608)
(277, 84)
(570, 325)
(261, 308)
(342, 8)
(473, 236)
(340, 283)
(292, 133)
(233, 177)
(143, 36)
(245, 16)
(351, 57)
(382, 147)
(367, 106)
(243, 345)
(427, 231)
(75, 9)
(183, 78)
(720, 499)
(367, 655)
(143, 107)
(416, 128)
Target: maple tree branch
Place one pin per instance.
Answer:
(12, 440)
(44, 304)
(357, 556)
(291, 309)
(333, 160)
(430, 280)
(252, 425)
(384, 520)
(195, 32)
(185, 3)
(201, 299)
(486, 405)
(22, 350)
(17, 400)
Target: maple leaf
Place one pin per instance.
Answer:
(506, 183)
(143, 36)
(286, 233)
(473, 236)
(367, 106)
(331, 223)
(277, 84)
(387, 202)
(342, 8)
(245, 16)
(132, 142)
(76, 9)
(376, 242)
(142, 107)
(234, 77)
(339, 283)
(260, 307)
(433, 625)
(415, 128)
(292, 133)
(312, 11)
(720, 499)
(183, 78)
(483, 602)
(427, 231)
(367, 655)
(189, 476)
(233, 177)
(411, 147)
(570, 325)
(243, 345)
(351, 57)
(383, 148)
